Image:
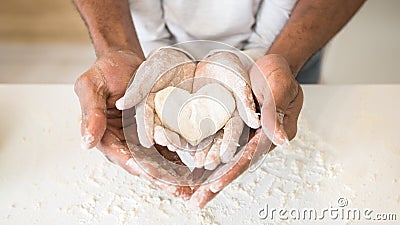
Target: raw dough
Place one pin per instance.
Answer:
(195, 116)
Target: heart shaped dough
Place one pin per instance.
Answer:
(195, 116)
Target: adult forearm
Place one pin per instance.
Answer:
(312, 24)
(110, 25)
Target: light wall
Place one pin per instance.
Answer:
(41, 21)
(46, 41)
(368, 49)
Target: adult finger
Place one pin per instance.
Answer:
(165, 137)
(202, 150)
(118, 153)
(145, 121)
(114, 150)
(230, 141)
(91, 91)
(149, 73)
(226, 68)
(275, 89)
(213, 158)
(271, 122)
(292, 115)
(208, 191)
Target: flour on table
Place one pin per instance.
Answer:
(288, 175)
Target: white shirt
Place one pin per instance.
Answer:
(249, 25)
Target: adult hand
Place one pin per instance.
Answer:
(280, 98)
(98, 89)
(284, 93)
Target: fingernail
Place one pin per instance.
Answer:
(215, 188)
(120, 103)
(86, 140)
(280, 138)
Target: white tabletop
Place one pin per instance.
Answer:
(45, 178)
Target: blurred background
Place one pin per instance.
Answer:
(45, 41)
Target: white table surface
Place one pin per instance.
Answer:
(41, 163)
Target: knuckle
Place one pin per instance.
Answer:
(86, 82)
(81, 82)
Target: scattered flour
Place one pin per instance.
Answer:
(287, 176)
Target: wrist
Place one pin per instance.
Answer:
(110, 26)
(106, 45)
(271, 63)
(106, 52)
(294, 57)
